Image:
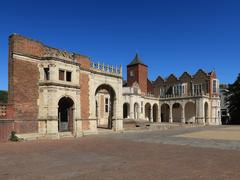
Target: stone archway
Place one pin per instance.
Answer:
(155, 113)
(65, 114)
(136, 111)
(126, 110)
(206, 115)
(165, 112)
(177, 112)
(190, 112)
(106, 104)
(148, 111)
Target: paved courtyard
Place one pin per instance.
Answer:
(186, 153)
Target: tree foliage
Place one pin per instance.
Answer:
(233, 99)
(3, 96)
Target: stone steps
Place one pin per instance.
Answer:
(63, 135)
(145, 125)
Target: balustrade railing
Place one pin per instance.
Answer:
(109, 69)
(183, 95)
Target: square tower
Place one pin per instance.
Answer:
(137, 71)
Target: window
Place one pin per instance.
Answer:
(106, 105)
(131, 73)
(61, 75)
(215, 86)
(69, 76)
(46, 74)
(162, 92)
(178, 89)
(135, 90)
(141, 106)
(184, 88)
(197, 89)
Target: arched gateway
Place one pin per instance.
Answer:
(65, 114)
(105, 106)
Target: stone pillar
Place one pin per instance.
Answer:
(183, 114)
(52, 117)
(151, 114)
(118, 111)
(170, 114)
(131, 108)
(159, 113)
(77, 117)
(199, 111)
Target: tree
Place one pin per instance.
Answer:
(233, 99)
(3, 96)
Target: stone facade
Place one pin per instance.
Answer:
(187, 99)
(52, 91)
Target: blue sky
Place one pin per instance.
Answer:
(171, 36)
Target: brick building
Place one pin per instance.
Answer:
(52, 92)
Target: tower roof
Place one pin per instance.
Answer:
(136, 61)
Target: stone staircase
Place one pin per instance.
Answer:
(64, 135)
(146, 125)
(135, 125)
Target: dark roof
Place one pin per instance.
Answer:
(136, 61)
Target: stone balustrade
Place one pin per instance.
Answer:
(183, 95)
(108, 69)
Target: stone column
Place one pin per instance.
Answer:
(131, 109)
(183, 114)
(118, 112)
(170, 114)
(159, 113)
(77, 116)
(199, 111)
(92, 104)
(151, 114)
(52, 115)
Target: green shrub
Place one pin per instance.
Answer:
(13, 136)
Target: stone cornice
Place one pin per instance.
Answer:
(59, 85)
(32, 58)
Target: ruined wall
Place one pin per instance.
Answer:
(23, 83)
(84, 92)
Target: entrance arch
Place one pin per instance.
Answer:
(165, 111)
(105, 101)
(206, 112)
(190, 112)
(126, 109)
(136, 111)
(148, 111)
(65, 114)
(155, 113)
(177, 112)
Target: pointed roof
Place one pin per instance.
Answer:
(136, 61)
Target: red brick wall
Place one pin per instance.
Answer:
(212, 76)
(143, 75)
(26, 46)
(150, 88)
(83, 60)
(84, 98)
(132, 79)
(140, 75)
(6, 127)
(23, 84)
